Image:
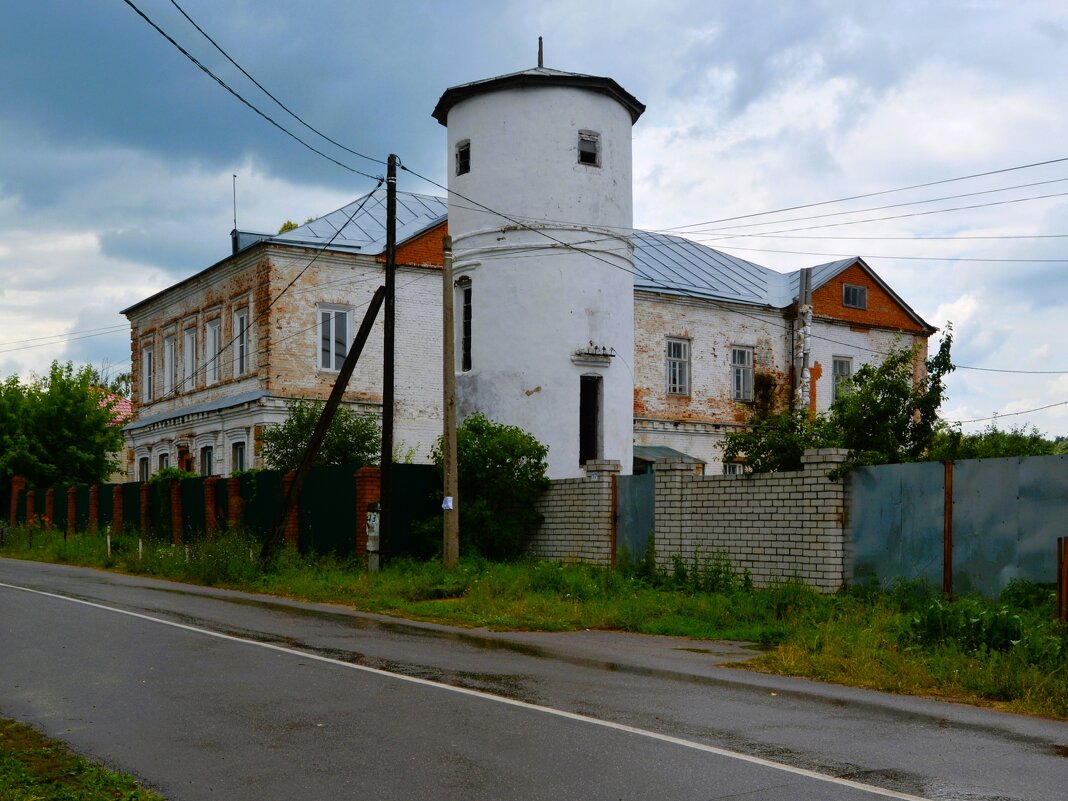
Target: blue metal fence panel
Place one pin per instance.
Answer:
(896, 521)
(635, 513)
(985, 524)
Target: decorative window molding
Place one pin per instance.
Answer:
(854, 297)
(237, 457)
(463, 157)
(678, 366)
(741, 372)
(207, 460)
(143, 469)
(334, 334)
(464, 296)
(842, 372)
(589, 148)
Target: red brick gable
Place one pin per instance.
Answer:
(883, 311)
(423, 250)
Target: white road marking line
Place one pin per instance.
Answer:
(606, 724)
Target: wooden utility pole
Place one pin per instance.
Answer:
(319, 434)
(385, 519)
(451, 537)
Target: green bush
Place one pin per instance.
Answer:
(501, 473)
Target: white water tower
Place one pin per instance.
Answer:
(540, 211)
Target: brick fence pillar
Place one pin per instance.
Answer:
(50, 506)
(235, 504)
(31, 507)
(211, 525)
(604, 472)
(368, 491)
(176, 512)
(72, 510)
(116, 509)
(291, 525)
(18, 484)
(145, 492)
(94, 507)
(672, 505)
(824, 516)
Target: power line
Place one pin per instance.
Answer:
(263, 89)
(61, 337)
(60, 340)
(881, 208)
(1012, 414)
(902, 258)
(235, 93)
(875, 194)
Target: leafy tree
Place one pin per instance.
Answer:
(58, 429)
(950, 444)
(888, 415)
(351, 439)
(501, 472)
(288, 225)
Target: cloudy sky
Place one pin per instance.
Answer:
(116, 153)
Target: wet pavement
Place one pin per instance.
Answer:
(193, 714)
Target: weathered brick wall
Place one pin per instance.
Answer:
(578, 517)
(776, 525)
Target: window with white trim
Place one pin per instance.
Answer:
(465, 323)
(741, 373)
(207, 461)
(854, 297)
(213, 346)
(678, 366)
(842, 371)
(164, 461)
(170, 365)
(189, 359)
(237, 457)
(333, 336)
(147, 375)
(589, 148)
(733, 469)
(142, 469)
(241, 344)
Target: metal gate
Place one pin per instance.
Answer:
(635, 514)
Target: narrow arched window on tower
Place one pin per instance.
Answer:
(463, 157)
(589, 148)
(464, 293)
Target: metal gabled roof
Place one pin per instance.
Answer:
(366, 231)
(674, 265)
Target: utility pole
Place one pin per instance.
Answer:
(451, 537)
(388, 343)
(802, 332)
(319, 434)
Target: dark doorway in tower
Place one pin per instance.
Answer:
(590, 403)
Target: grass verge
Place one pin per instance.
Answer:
(33, 768)
(1008, 653)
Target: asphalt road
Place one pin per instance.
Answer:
(207, 693)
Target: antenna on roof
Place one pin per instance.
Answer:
(541, 58)
(234, 238)
(235, 201)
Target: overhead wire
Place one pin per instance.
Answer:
(241, 98)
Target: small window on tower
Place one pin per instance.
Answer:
(463, 157)
(589, 148)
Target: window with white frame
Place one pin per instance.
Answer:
(854, 297)
(207, 461)
(333, 336)
(741, 372)
(164, 461)
(241, 345)
(147, 375)
(465, 323)
(189, 359)
(589, 148)
(678, 366)
(170, 365)
(142, 469)
(842, 370)
(237, 457)
(733, 469)
(213, 346)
